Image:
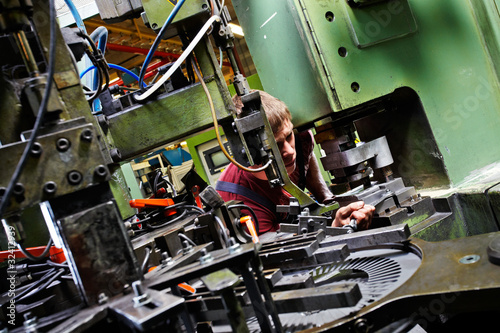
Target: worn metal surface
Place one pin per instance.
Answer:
(62, 162)
(142, 318)
(191, 14)
(99, 251)
(367, 238)
(441, 280)
(378, 150)
(318, 298)
(399, 35)
(141, 128)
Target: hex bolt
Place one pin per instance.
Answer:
(116, 155)
(74, 177)
(234, 246)
(36, 150)
(361, 326)
(86, 135)
(205, 257)
(100, 171)
(50, 187)
(102, 299)
(18, 189)
(30, 322)
(141, 297)
(166, 260)
(137, 288)
(18, 192)
(62, 144)
(186, 247)
(103, 122)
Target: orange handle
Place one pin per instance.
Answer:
(196, 194)
(249, 223)
(142, 203)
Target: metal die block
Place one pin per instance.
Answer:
(220, 280)
(368, 238)
(61, 162)
(249, 123)
(100, 254)
(318, 298)
(293, 248)
(331, 254)
(221, 259)
(273, 276)
(159, 306)
(294, 282)
(192, 14)
(377, 149)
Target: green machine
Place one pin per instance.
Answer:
(423, 74)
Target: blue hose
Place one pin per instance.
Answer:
(153, 48)
(76, 15)
(117, 67)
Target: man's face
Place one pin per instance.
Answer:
(286, 144)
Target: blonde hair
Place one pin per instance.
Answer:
(276, 110)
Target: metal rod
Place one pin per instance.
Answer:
(26, 53)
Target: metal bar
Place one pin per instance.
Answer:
(318, 298)
(366, 238)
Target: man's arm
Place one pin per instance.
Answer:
(316, 184)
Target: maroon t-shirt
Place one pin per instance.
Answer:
(268, 220)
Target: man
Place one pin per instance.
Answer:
(252, 188)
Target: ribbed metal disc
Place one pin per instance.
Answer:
(377, 272)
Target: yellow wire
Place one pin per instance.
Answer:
(216, 126)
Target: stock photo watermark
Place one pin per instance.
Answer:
(11, 276)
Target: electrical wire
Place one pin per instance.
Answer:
(179, 61)
(189, 240)
(56, 264)
(145, 262)
(34, 284)
(41, 110)
(118, 67)
(216, 127)
(183, 214)
(252, 212)
(32, 257)
(195, 208)
(101, 35)
(157, 41)
(98, 60)
(222, 230)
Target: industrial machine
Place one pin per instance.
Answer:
(362, 76)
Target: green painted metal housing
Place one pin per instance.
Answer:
(325, 56)
(423, 73)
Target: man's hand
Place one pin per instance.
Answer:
(356, 210)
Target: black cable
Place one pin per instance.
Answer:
(145, 262)
(155, 182)
(41, 110)
(252, 212)
(34, 285)
(32, 257)
(181, 235)
(195, 208)
(41, 273)
(183, 214)
(56, 264)
(100, 64)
